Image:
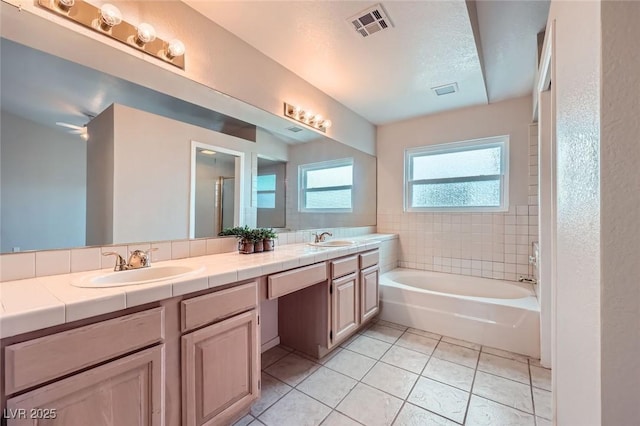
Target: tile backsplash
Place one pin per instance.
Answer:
(16, 266)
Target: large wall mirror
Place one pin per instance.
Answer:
(117, 167)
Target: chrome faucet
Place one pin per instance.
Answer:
(138, 259)
(320, 238)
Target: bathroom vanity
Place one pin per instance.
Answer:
(192, 359)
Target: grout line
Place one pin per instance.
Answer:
(473, 382)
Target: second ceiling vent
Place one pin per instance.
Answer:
(370, 21)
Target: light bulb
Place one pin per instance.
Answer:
(308, 116)
(295, 111)
(175, 48)
(110, 16)
(146, 34)
(317, 119)
(326, 124)
(66, 4)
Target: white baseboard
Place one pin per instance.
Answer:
(270, 344)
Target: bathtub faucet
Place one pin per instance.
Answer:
(318, 238)
(527, 280)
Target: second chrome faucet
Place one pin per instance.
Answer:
(137, 259)
(319, 238)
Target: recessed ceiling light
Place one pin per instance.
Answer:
(207, 152)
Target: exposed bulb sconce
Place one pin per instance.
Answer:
(146, 34)
(175, 48)
(110, 16)
(307, 117)
(108, 20)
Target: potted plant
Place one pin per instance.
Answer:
(257, 238)
(245, 239)
(269, 236)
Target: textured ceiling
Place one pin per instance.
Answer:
(388, 76)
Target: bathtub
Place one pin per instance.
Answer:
(500, 314)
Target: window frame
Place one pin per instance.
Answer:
(445, 148)
(258, 192)
(302, 185)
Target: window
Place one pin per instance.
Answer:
(326, 186)
(461, 176)
(267, 191)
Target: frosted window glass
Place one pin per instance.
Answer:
(267, 183)
(334, 176)
(476, 162)
(337, 199)
(458, 194)
(266, 200)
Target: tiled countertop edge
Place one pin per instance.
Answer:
(38, 303)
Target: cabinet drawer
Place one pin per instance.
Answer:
(39, 360)
(369, 259)
(296, 279)
(205, 309)
(342, 267)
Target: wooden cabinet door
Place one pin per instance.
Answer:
(369, 293)
(220, 370)
(345, 309)
(128, 391)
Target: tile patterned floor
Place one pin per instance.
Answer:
(388, 374)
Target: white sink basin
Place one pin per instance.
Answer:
(334, 243)
(136, 276)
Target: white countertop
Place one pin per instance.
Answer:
(37, 303)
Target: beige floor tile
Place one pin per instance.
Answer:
(464, 343)
(424, 333)
(392, 325)
(442, 399)
(483, 412)
(349, 340)
(327, 386)
(410, 415)
(450, 373)
(295, 409)
(383, 332)
(256, 422)
(292, 369)
(272, 390)
(339, 419)
(542, 403)
(406, 358)
(514, 394)
(505, 354)
(350, 363)
(504, 367)
(246, 420)
(272, 355)
(390, 379)
(535, 362)
(458, 354)
(372, 348)
(416, 342)
(540, 377)
(543, 422)
(370, 406)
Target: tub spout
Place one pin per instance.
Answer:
(527, 280)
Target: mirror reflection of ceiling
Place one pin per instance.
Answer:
(47, 89)
(487, 47)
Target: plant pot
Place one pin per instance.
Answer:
(258, 246)
(246, 247)
(269, 245)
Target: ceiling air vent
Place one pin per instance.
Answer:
(294, 129)
(446, 89)
(370, 21)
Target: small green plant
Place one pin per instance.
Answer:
(269, 234)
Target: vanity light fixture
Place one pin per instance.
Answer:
(108, 20)
(307, 117)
